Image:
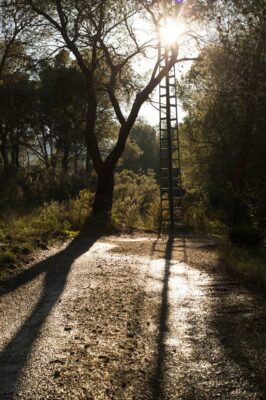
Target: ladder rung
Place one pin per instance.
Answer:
(171, 105)
(171, 119)
(172, 96)
(170, 84)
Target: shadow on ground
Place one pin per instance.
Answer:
(158, 380)
(238, 318)
(226, 334)
(56, 268)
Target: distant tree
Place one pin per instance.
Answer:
(142, 149)
(61, 112)
(17, 104)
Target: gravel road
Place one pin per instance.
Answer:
(131, 317)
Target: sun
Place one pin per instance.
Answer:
(171, 31)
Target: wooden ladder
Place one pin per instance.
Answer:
(170, 172)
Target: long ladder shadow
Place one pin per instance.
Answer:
(15, 355)
(158, 379)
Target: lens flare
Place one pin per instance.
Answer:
(171, 31)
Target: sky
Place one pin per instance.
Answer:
(186, 49)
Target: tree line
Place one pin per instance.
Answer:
(70, 96)
(224, 132)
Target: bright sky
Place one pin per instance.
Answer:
(177, 31)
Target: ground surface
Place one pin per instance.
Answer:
(131, 318)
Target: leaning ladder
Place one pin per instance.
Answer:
(170, 173)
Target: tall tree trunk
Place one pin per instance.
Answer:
(103, 200)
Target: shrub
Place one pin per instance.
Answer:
(250, 265)
(136, 200)
(246, 235)
(7, 258)
(198, 216)
(79, 209)
(20, 234)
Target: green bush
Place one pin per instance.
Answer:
(197, 215)
(136, 204)
(21, 234)
(79, 209)
(249, 264)
(136, 200)
(246, 235)
(7, 258)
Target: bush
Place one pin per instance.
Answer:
(136, 200)
(7, 258)
(197, 215)
(136, 204)
(21, 234)
(248, 264)
(246, 235)
(79, 209)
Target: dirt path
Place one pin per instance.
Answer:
(131, 318)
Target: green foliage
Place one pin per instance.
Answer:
(223, 137)
(79, 209)
(136, 200)
(7, 258)
(136, 204)
(142, 149)
(196, 216)
(21, 234)
(247, 235)
(250, 265)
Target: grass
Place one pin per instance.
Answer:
(21, 234)
(136, 205)
(250, 265)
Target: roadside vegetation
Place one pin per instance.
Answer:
(223, 137)
(136, 206)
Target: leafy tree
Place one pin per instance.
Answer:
(100, 28)
(15, 24)
(17, 102)
(224, 94)
(142, 150)
(61, 113)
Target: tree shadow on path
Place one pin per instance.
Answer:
(239, 320)
(14, 357)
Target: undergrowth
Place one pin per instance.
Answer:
(136, 201)
(249, 264)
(240, 246)
(21, 234)
(136, 205)
(198, 217)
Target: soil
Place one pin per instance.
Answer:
(131, 317)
